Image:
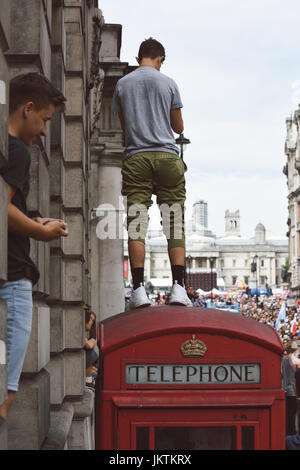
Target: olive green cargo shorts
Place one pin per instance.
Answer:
(162, 174)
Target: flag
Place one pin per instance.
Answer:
(281, 315)
(285, 294)
(294, 326)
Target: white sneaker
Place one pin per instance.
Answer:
(179, 296)
(139, 298)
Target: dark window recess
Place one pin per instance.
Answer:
(142, 438)
(247, 437)
(195, 438)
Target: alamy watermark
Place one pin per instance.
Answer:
(112, 220)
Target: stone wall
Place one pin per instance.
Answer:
(53, 408)
(4, 79)
(76, 167)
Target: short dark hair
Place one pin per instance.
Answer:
(151, 48)
(34, 87)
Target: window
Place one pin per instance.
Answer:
(196, 437)
(142, 438)
(201, 262)
(234, 278)
(233, 263)
(262, 263)
(263, 280)
(246, 263)
(246, 279)
(247, 437)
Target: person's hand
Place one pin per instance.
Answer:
(54, 229)
(45, 220)
(90, 343)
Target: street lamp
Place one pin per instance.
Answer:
(254, 269)
(182, 142)
(189, 258)
(211, 261)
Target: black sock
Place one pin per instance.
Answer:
(137, 277)
(178, 274)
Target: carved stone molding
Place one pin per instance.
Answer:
(97, 75)
(97, 100)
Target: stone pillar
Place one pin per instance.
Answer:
(4, 103)
(111, 292)
(258, 269)
(107, 155)
(273, 272)
(108, 251)
(147, 266)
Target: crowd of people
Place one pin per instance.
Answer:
(264, 309)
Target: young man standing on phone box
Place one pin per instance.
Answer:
(149, 107)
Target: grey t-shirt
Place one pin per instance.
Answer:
(145, 97)
(288, 376)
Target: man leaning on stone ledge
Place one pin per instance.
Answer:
(33, 100)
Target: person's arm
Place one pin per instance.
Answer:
(21, 224)
(176, 121)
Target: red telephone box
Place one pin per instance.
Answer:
(188, 378)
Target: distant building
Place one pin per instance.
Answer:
(222, 262)
(232, 223)
(200, 216)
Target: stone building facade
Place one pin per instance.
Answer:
(72, 167)
(291, 170)
(4, 78)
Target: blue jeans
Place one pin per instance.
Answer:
(18, 298)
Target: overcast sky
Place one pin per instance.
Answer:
(237, 65)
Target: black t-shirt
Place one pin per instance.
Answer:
(16, 173)
(297, 379)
